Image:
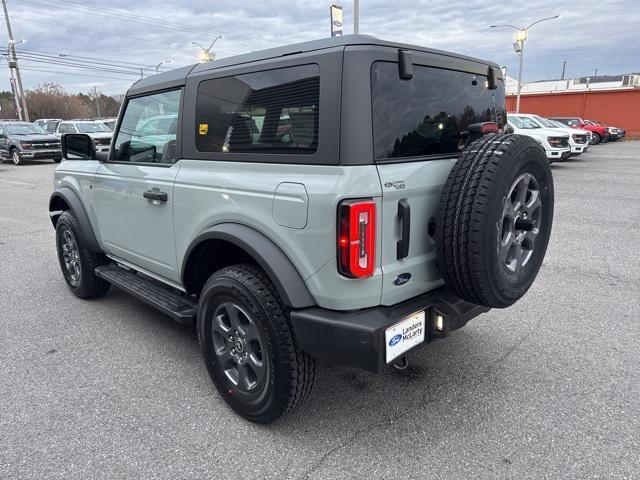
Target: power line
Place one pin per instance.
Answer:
(161, 22)
(62, 62)
(77, 58)
(34, 69)
(69, 27)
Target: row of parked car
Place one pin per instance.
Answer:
(562, 137)
(21, 141)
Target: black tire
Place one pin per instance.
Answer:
(595, 138)
(87, 284)
(479, 227)
(287, 372)
(14, 156)
(57, 160)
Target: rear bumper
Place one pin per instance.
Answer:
(357, 338)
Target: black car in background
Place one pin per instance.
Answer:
(21, 141)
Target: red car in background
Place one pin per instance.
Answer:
(599, 133)
(614, 133)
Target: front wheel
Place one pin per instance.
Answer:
(595, 138)
(249, 346)
(77, 260)
(15, 157)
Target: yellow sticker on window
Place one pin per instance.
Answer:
(203, 128)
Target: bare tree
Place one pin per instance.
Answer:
(50, 100)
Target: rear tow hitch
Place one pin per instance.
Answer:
(402, 363)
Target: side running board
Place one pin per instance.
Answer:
(180, 308)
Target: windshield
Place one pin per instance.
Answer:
(557, 124)
(544, 122)
(24, 129)
(525, 123)
(92, 127)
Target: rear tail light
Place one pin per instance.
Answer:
(489, 127)
(356, 238)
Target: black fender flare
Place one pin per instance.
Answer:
(284, 275)
(71, 198)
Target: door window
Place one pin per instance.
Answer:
(148, 130)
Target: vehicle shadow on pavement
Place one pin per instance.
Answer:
(345, 400)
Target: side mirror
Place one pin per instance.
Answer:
(78, 146)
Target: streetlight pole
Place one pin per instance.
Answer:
(521, 37)
(164, 62)
(206, 55)
(356, 17)
(13, 60)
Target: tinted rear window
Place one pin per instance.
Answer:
(274, 111)
(429, 114)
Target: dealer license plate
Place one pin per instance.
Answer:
(404, 335)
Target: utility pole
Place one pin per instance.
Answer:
(356, 17)
(14, 61)
(564, 66)
(595, 74)
(95, 94)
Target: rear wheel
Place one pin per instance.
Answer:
(249, 346)
(494, 220)
(595, 138)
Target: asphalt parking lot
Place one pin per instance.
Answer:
(549, 388)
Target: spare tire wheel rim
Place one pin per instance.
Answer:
(519, 226)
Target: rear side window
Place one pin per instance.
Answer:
(429, 114)
(274, 111)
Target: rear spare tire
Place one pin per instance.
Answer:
(494, 219)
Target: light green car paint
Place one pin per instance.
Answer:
(293, 205)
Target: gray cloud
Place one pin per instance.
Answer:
(590, 34)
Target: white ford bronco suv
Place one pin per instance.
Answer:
(346, 200)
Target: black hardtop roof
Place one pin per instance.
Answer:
(178, 76)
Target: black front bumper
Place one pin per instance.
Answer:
(357, 338)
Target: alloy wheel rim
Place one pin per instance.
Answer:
(520, 222)
(71, 257)
(15, 157)
(238, 347)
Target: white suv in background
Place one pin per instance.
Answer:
(554, 141)
(578, 138)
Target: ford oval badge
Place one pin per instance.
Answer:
(402, 279)
(395, 340)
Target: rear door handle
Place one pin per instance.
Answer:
(155, 195)
(404, 214)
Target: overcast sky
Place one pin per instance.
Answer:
(590, 34)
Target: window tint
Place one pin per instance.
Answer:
(274, 111)
(148, 129)
(429, 114)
